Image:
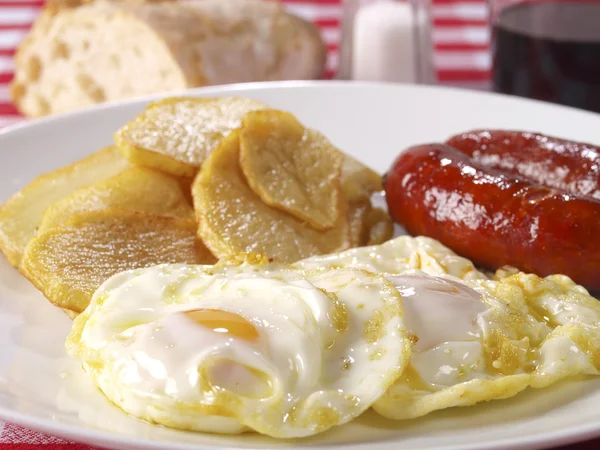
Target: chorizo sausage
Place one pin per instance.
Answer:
(493, 218)
(573, 167)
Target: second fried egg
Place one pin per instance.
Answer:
(478, 336)
(483, 340)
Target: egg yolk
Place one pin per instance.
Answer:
(224, 322)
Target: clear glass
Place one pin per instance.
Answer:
(423, 37)
(419, 35)
(547, 50)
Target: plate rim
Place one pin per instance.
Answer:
(107, 439)
(27, 123)
(110, 439)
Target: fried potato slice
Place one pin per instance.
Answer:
(358, 181)
(379, 226)
(68, 263)
(136, 189)
(233, 219)
(70, 314)
(291, 167)
(22, 213)
(369, 225)
(357, 217)
(176, 134)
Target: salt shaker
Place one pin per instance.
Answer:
(386, 40)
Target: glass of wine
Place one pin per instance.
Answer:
(548, 50)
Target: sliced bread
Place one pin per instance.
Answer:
(84, 53)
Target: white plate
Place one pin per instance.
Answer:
(42, 389)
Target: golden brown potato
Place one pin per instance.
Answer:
(233, 219)
(357, 214)
(176, 135)
(136, 189)
(368, 225)
(379, 227)
(69, 263)
(22, 213)
(70, 314)
(291, 167)
(358, 181)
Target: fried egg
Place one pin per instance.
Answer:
(569, 311)
(407, 327)
(477, 337)
(397, 256)
(287, 353)
(490, 339)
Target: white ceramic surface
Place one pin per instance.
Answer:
(41, 389)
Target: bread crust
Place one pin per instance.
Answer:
(205, 42)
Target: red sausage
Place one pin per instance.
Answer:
(573, 167)
(492, 218)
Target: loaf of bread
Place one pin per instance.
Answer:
(81, 53)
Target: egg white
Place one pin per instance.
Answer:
(331, 343)
(466, 337)
(397, 256)
(479, 337)
(572, 314)
(471, 347)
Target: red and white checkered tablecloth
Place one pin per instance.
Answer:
(461, 39)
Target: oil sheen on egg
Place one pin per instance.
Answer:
(573, 315)
(287, 353)
(397, 256)
(484, 340)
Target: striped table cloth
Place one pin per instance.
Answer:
(461, 39)
(461, 56)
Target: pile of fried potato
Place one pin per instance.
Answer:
(190, 180)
